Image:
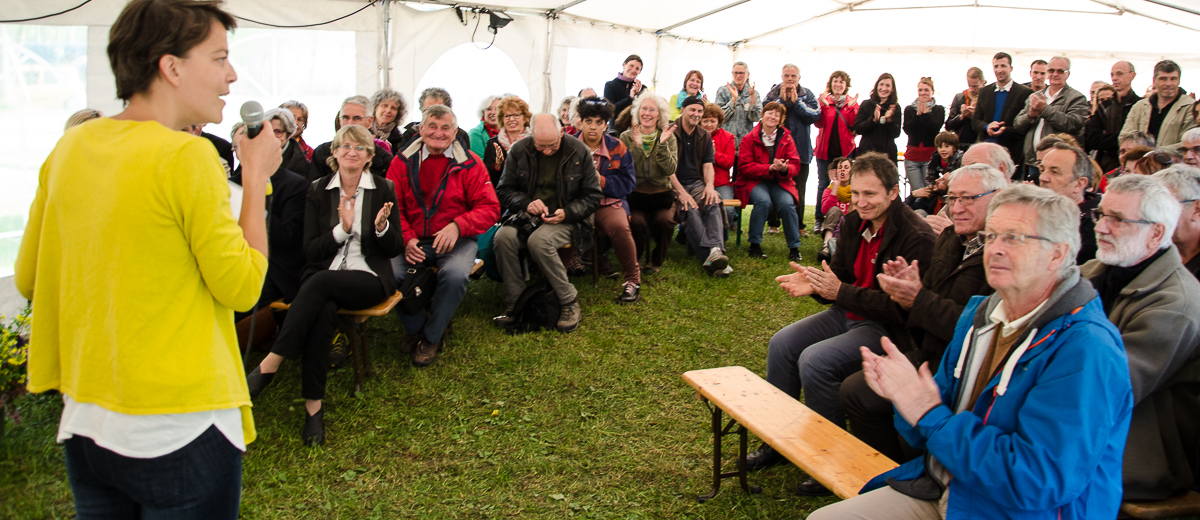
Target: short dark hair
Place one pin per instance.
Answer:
(593, 106)
(147, 30)
(1038, 62)
(634, 57)
(1003, 56)
(1166, 66)
(436, 92)
(945, 138)
(878, 165)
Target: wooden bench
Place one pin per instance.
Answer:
(358, 346)
(735, 203)
(1182, 505)
(825, 452)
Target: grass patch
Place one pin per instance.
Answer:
(593, 424)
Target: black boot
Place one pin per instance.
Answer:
(764, 457)
(257, 381)
(755, 251)
(313, 432)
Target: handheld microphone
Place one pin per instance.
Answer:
(252, 116)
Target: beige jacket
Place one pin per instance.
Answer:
(1176, 122)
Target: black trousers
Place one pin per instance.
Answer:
(871, 416)
(312, 321)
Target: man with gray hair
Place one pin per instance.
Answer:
(990, 154)
(1028, 415)
(802, 111)
(1155, 303)
(356, 110)
(931, 303)
(429, 97)
(741, 103)
(1189, 147)
(1067, 171)
(1056, 109)
(445, 200)
(1184, 183)
(549, 191)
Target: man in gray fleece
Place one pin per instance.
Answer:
(1155, 302)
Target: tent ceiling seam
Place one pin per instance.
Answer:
(702, 16)
(1123, 9)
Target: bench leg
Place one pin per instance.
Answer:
(719, 432)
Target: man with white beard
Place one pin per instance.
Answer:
(1155, 302)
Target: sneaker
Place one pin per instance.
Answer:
(773, 230)
(506, 319)
(630, 293)
(426, 352)
(568, 319)
(794, 255)
(724, 273)
(716, 260)
(339, 350)
(755, 251)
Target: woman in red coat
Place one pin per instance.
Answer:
(767, 163)
(838, 111)
(724, 152)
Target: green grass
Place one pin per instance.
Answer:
(593, 424)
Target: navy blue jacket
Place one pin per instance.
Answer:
(800, 117)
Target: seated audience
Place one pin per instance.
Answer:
(488, 127)
(836, 200)
(442, 209)
(767, 167)
(429, 97)
(990, 154)
(922, 121)
(513, 114)
(550, 181)
(701, 206)
(356, 110)
(928, 200)
(931, 303)
(1184, 182)
(820, 351)
(390, 110)
(724, 153)
(564, 116)
(224, 148)
(655, 157)
(1189, 147)
(283, 124)
(1067, 171)
(1155, 302)
(947, 159)
(614, 165)
(300, 114)
(349, 267)
(802, 110)
(1026, 417)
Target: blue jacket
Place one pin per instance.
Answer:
(617, 170)
(1047, 435)
(800, 117)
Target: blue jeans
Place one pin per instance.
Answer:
(915, 171)
(454, 268)
(765, 195)
(822, 183)
(202, 480)
(820, 351)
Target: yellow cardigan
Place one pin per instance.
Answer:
(134, 261)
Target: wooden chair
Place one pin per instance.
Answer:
(350, 321)
(826, 452)
(1186, 504)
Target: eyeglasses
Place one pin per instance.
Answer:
(1057, 71)
(356, 119)
(1185, 201)
(966, 201)
(356, 147)
(513, 116)
(279, 133)
(1097, 215)
(1009, 239)
(1193, 150)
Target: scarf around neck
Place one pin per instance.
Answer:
(382, 131)
(502, 137)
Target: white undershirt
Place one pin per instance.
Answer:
(1037, 136)
(350, 256)
(145, 436)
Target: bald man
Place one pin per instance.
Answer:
(548, 190)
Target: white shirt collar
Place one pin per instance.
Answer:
(1005, 87)
(1001, 316)
(367, 182)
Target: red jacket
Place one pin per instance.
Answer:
(723, 156)
(469, 199)
(754, 164)
(846, 130)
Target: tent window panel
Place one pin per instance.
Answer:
(471, 74)
(43, 76)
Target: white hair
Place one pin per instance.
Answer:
(1058, 216)
(989, 177)
(1158, 205)
(1181, 179)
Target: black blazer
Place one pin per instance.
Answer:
(877, 137)
(285, 237)
(320, 217)
(295, 160)
(319, 168)
(1011, 139)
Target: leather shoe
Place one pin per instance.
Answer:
(410, 342)
(812, 488)
(256, 382)
(313, 432)
(756, 251)
(764, 457)
(426, 352)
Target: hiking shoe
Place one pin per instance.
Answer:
(724, 273)
(409, 343)
(426, 352)
(339, 350)
(630, 293)
(507, 319)
(568, 319)
(755, 251)
(313, 432)
(716, 260)
(794, 255)
(773, 230)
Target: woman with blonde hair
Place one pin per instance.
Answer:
(651, 141)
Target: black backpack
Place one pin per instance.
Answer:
(537, 308)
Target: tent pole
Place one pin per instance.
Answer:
(385, 56)
(657, 52)
(546, 86)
